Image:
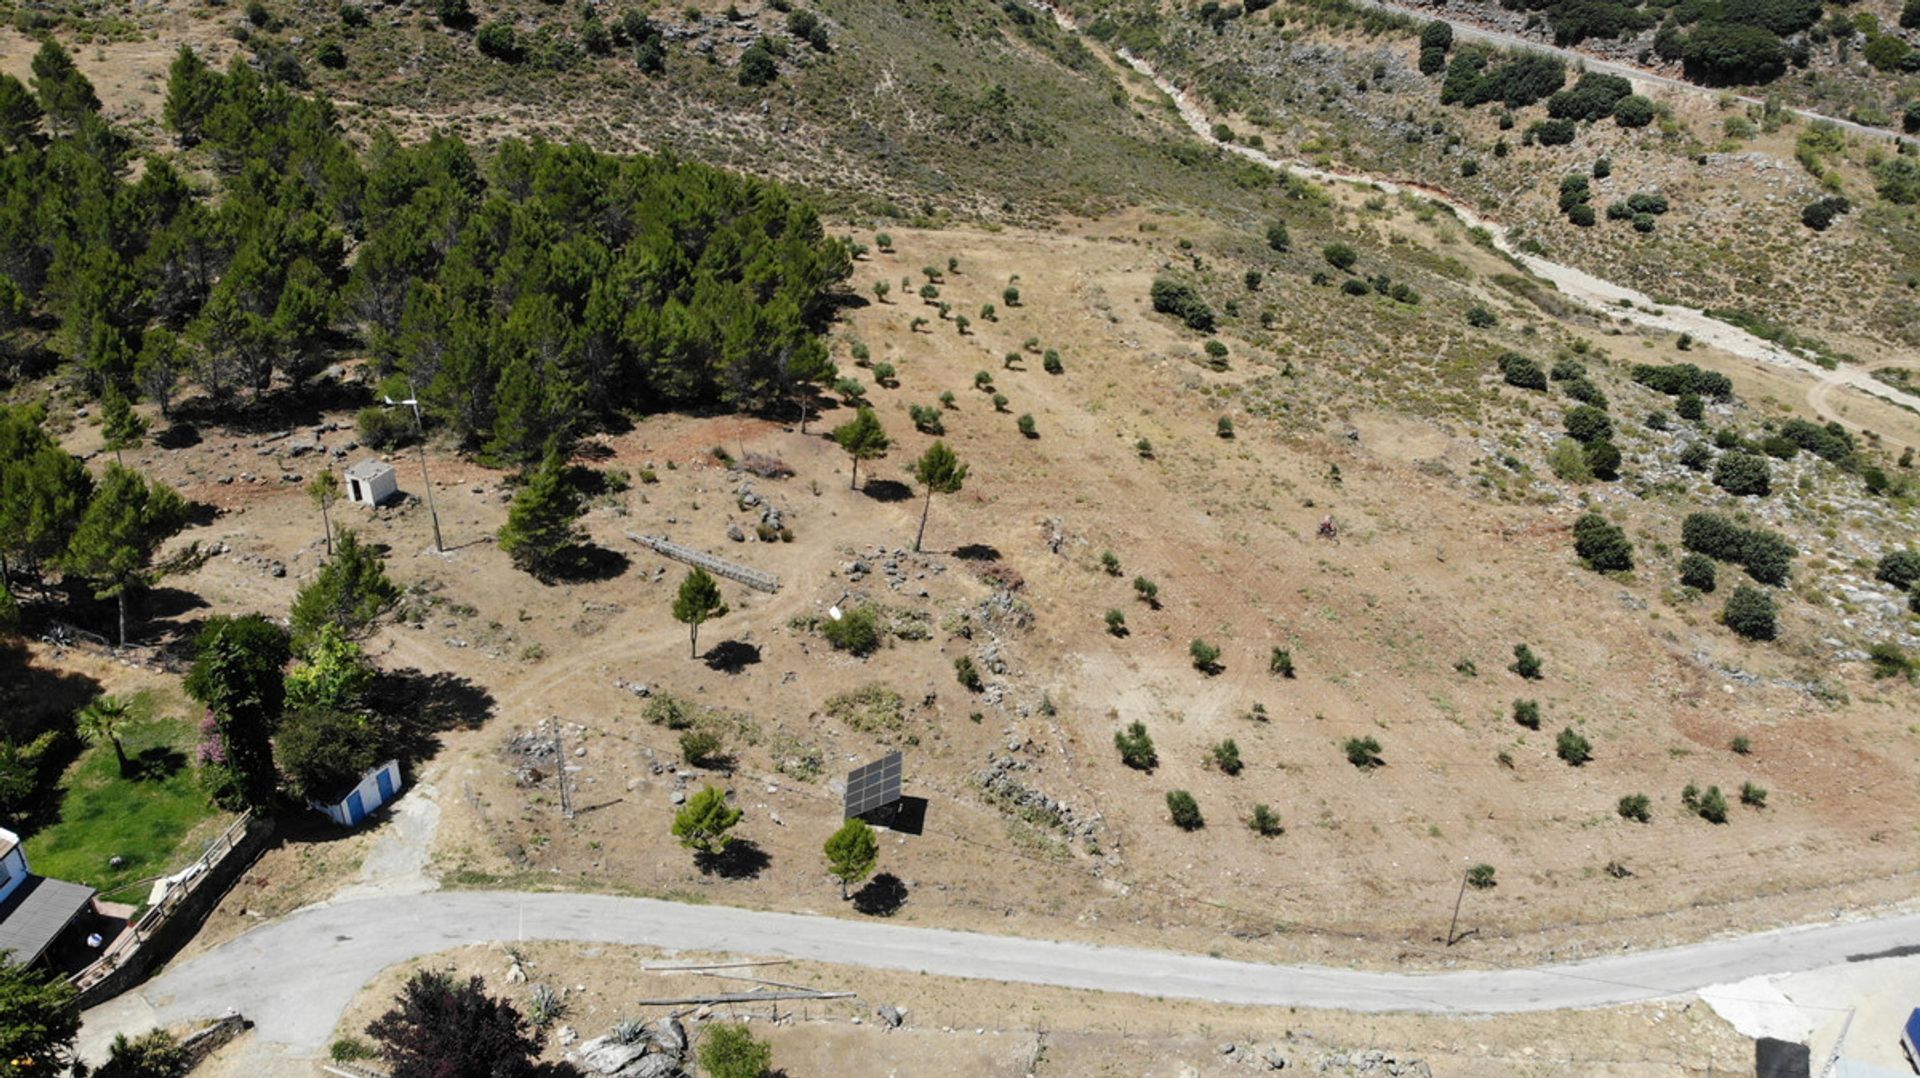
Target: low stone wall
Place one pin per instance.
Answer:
(162, 931)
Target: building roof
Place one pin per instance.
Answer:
(8, 840)
(34, 915)
(369, 469)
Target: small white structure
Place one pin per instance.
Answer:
(371, 482)
(35, 912)
(376, 788)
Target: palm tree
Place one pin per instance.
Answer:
(103, 720)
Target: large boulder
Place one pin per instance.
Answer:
(671, 1035)
(656, 1065)
(608, 1056)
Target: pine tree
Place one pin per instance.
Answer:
(44, 491)
(703, 824)
(350, 590)
(852, 853)
(324, 489)
(439, 1027)
(864, 439)
(123, 526)
(158, 367)
(64, 92)
(121, 428)
(19, 115)
(540, 535)
(697, 601)
(192, 91)
(941, 473)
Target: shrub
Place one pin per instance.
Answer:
(1340, 256)
(1224, 426)
(1362, 752)
(968, 674)
(1184, 811)
(330, 54)
(1281, 663)
(926, 419)
(1586, 423)
(1438, 34)
(1110, 562)
(1051, 362)
(1712, 805)
(1711, 534)
(1480, 877)
(1681, 378)
(665, 709)
(1525, 662)
(1277, 237)
(758, 68)
(1205, 656)
(731, 1051)
(1594, 97)
(1354, 286)
(1568, 459)
(1584, 391)
(1554, 132)
(1743, 474)
(1889, 661)
(1116, 623)
(1697, 572)
(857, 631)
(1264, 821)
(1900, 568)
(1604, 546)
(1753, 795)
(1647, 202)
(1689, 407)
(1581, 215)
(1633, 111)
(1767, 556)
(1726, 52)
(1179, 299)
(1603, 459)
(1226, 757)
(1025, 423)
(1573, 748)
(1147, 590)
(1741, 746)
(497, 39)
(999, 402)
(1635, 807)
(1750, 613)
(1527, 713)
(1480, 318)
(1522, 372)
(1136, 747)
(383, 428)
(1821, 213)
(700, 747)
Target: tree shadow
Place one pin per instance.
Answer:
(731, 656)
(886, 490)
(422, 705)
(592, 564)
(977, 552)
(156, 763)
(275, 410)
(201, 514)
(882, 896)
(743, 859)
(178, 436)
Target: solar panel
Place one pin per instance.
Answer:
(872, 786)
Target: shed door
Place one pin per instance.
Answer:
(353, 491)
(384, 781)
(356, 808)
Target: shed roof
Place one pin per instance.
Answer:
(369, 469)
(34, 915)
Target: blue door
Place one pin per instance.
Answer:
(384, 781)
(356, 808)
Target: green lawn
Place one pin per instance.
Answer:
(157, 818)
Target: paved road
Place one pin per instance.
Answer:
(1476, 32)
(295, 976)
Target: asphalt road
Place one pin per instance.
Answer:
(1475, 32)
(294, 977)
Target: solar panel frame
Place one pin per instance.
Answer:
(873, 785)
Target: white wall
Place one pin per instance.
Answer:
(13, 871)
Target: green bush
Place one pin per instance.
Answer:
(1678, 379)
(1518, 370)
(1743, 474)
(857, 632)
(1697, 572)
(1554, 132)
(497, 39)
(1205, 656)
(1820, 214)
(1480, 318)
(1116, 622)
(1900, 568)
(1362, 752)
(1179, 299)
(1264, 821)
(1527, 713)
(1585, 423)
(1603, 459)
(758, 68)
(1226, 757)
(1340, 256)
(1184, 811)
(1480, 877)
(1689, 407)
(1568, 460)
(1525, 662)
(1592, 98)
(381, 428)
(1573, 748)
(1136, 747)
(1633, 111)
(1635, 807)
(1581, 215)
(1750, 613)
(1712, 805)
(1752, 795)
(968, 674)
(1604, 546)
(1281, 663)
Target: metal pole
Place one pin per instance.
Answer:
(420, 430)
(1455, 923)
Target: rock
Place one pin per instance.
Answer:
(568, 1035)
(278, 570)
(735, 533)
(1227, 1048)
(671, 1035)
(516, 975)
(611, 1057)
(1274, 1060)
(679, 797)
(890, 1014)
(656, 1065)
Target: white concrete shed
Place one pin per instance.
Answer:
(371, 482)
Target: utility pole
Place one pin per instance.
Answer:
(560, 751)
(1455, 923)
(420, 431)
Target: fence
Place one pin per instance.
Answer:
(752, 578)
(152, 937)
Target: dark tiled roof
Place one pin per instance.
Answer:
(36, 912)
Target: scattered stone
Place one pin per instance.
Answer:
(890, 1014)
(671, 1035)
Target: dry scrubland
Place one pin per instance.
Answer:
(1439, 562)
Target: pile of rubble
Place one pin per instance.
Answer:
(998, 782)
(633, 1050)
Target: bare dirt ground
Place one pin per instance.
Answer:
(1428, 573)
(966, 1028)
